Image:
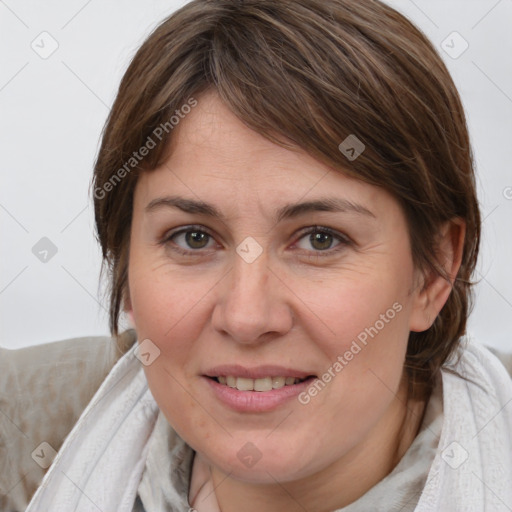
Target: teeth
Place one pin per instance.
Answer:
(264, 384)
(244, 384)
(278, 382)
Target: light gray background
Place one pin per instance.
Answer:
(53, 110)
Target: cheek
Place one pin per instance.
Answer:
(370, 307)
(183, 410)
(164, 301)
(362, 326)
(165, 310)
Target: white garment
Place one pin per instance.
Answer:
(101, 462)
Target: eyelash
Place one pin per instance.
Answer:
(343, 239)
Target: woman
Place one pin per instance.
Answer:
(285, 200)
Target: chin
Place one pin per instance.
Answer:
(259, 462)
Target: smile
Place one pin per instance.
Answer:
(257, 393)
(261, 384)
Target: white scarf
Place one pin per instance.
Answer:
(100, 464)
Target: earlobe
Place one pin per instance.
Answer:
(432, 296)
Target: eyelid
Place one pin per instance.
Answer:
(324, 229)
(188, 227)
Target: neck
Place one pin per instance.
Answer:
(339, 484)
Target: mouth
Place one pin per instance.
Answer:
(256, 389)
(261, 384)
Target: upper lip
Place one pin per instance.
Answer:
(256, 372)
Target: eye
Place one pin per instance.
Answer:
(188, 240)
(322, 239)
(192, 239)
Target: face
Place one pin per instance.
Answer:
(311, 305)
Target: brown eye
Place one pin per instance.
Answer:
(189, 241)
(318, 240)
(321, 241)
(196, 239)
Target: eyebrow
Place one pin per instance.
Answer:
(324, 204)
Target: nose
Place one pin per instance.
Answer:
(252, 305)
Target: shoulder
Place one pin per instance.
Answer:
(485, 366)
(43, 391)
(473, 353)
(475, 443)
(505, 358)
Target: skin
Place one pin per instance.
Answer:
(291, 307)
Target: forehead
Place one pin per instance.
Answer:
(215, 156)
(212, 139)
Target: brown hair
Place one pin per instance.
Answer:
(311, 72)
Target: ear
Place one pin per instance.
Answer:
(432, 296)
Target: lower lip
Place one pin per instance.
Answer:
(256, 401)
